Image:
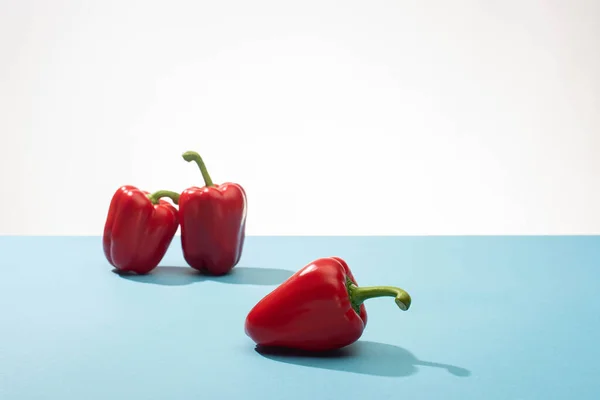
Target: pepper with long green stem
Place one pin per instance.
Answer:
(319, 308)
(213, 222)
(139, 228)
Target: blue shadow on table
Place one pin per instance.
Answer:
(178, 276)
(362, 357)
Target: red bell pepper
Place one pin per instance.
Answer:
(139, 228)
(319, 308)
(213, 223)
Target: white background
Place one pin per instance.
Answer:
(338, 117)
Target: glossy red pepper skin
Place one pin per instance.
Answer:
(213, 227)
(138, 229)
(213, 223)
(313, 310)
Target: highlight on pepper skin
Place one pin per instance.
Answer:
(319, 308)
(213, 222)
(139, 228)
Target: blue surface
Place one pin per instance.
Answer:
(492, 318)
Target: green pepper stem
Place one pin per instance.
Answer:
(193, 156)
(156, 196)
(359, 294)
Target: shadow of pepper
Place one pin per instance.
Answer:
(177, 276)
(363, 357)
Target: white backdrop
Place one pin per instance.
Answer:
(338, 117)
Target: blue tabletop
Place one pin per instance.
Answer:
(491, 318)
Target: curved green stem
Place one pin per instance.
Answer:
(193, 156)
(156, 196)
(359, 294)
